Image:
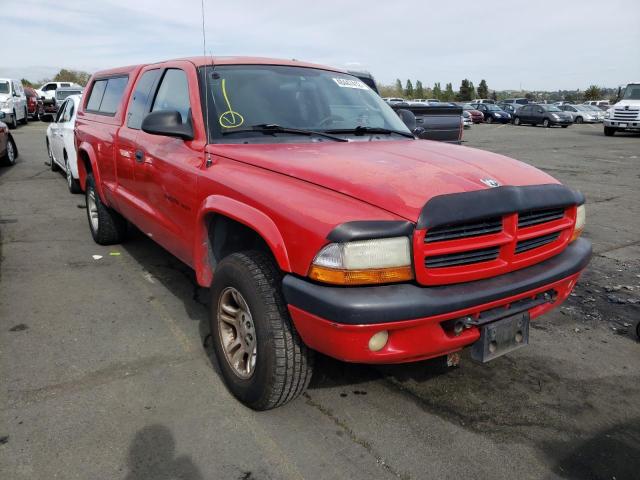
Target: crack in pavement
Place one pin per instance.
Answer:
(354, 438)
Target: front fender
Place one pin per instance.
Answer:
(250, 216)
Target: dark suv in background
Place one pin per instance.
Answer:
(547, 115)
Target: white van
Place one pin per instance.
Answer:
(13, 102)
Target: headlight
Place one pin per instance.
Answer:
(497, 115)
(581, 218)
(384, 260)
(555, 116)
(607, 114)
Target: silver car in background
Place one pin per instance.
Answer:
(582, 113)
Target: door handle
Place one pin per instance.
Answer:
(139, 156)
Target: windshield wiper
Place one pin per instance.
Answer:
(360, 130)
(268, 128)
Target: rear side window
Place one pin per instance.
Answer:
(173, 94)
(96, 95)
(106, 95)
(140, 98)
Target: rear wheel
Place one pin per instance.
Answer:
(489, 119)
(263, 360)
(609, 131)
(107, 226)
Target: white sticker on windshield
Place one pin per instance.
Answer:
(348, 83)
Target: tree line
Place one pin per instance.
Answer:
(64, 75)
(467, 92)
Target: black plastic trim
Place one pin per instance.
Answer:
(369, 229)
(392, 303)
(453, 208)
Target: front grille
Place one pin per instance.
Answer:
(464, 230)
(536, 217)
(530, 244)
(622, 114)
(462, 258)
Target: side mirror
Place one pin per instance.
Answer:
(408, 118)
(167, 123)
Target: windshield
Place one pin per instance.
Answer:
(61, 95)
(584, 108)
(4, 87)
(243, 96)
(492, 108)
(632, 92)
(550, 108)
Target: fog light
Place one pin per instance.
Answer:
(378, 341)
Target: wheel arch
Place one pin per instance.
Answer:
(86, 163)
(225, 225)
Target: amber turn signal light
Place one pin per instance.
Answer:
(360, 277)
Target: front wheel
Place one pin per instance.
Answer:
(11, 153)
(54, 166)
(72, 183)
(489, 119)
(609, 131)
(107, 226)
(516, 121)
(546, 123)
(14, 121)
(579, 120)
(263, 360)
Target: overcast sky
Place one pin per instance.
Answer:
(536, 44)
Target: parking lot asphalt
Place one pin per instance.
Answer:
(106, 372)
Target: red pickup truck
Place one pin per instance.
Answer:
(319, 221)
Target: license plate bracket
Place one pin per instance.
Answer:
(500, 337)
(623, 125)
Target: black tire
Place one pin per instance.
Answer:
(609, 131)
(516, 121)
(72, 183)
(546, 123)
(25, 120)
(489, 119)
(11, 153)
(284, 364)
(54, 166)
(579, 120)
(111, 226)
(564, 126)
(14, 121)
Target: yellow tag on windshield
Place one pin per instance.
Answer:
(229, 119)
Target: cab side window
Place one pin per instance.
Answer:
(140, 99)
(173, 94)
(49, 86)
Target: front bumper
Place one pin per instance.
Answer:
(339, 321)
(628, 124)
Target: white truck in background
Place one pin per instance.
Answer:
(624, 116)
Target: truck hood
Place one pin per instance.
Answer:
(631, 103)
(397, 176)
(4, 97)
